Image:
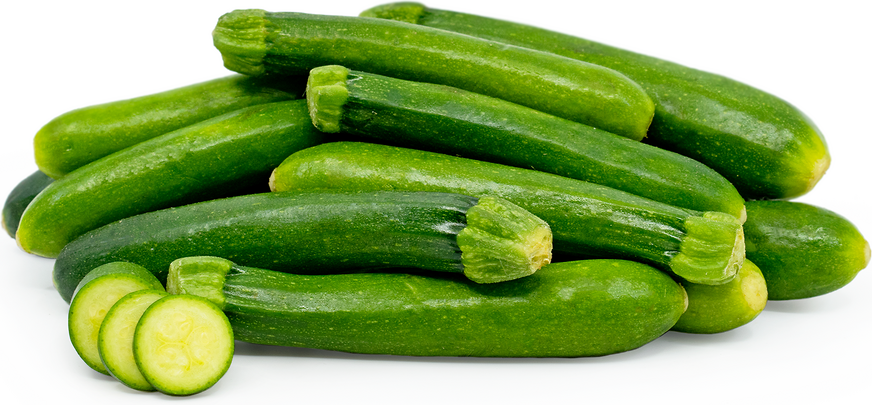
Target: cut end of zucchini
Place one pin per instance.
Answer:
(753, 287)
(240, 36)
(202, 276)
(402, 11)
(712, 251)
(326, 94)
(502, 242)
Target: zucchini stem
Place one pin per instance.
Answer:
(712, 251)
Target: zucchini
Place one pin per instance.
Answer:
(568, 309)
(183, 344)
(486, 239)
(457, 122)
(765, 146)
(115, 339)
(93, 298)
(195, 163)
(803, 250)
(719, 308)
(256, 42)
(701, 247)
(20, 197)
(82, 136)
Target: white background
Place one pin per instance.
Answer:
(61, 56)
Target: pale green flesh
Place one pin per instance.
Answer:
(115, 342)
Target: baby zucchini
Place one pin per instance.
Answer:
(701, 247)
(457, 122)
(82, 136)
(20, 197)
(256, 42)
(569, 309)
(486, 239)
(765, 146)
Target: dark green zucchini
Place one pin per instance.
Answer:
(803, 251)
(457, 122)
(82, 136)
(487, 239)
(20, 197)
(195, 163)
(765, 146)
(569, 309)
(702, 247)
(256, 42)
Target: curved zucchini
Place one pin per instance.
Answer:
(702, 247)
(256, 42)
(765, 146)
(457, 122)
(486, 239)
(803, 251)
(82, 136)
(192, 164)
(20, 197)
(569, 309)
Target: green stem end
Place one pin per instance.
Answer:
(240, 36)
(712, 251)
(326, 94)
(202, 276)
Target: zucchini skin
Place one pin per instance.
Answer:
(195, 163)
(456, 122)
(82, 136)
(20, 197)
(568, 309)
(762, 144)
(803, 251)
(256, 42)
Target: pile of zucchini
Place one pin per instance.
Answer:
(423, 182)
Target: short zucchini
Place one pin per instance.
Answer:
(20, 197)
(569, 309)
(256, 42)
(803, 250)
(195, 163)
(702, 247)
(486, 239)
(457, 122)
(82, 136)
(764, 145)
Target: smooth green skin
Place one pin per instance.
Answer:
(200, 162)
(461, 123)
(765, 146)
(569, 309)
(720, 308)
(308, 232)
(115, 339)
(256, 42)
(20, 197)
(82, 136)
(803, 250)
(190, 324)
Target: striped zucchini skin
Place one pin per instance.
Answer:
(20, 197)
(256, 42)
(457, 122)
(196, 163)
(568, 309)
(82, 136)
(762, 144)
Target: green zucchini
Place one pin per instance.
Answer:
(256, 42)
(719, 308)
(195, 163)
(93, 298)
(20, 197)
(569, 309)
(183, 344)
(702, 247)
(765, 146)
(457, 122)
(486, 239)
(82, 136)
(803, 250)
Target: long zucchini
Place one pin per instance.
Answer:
(20, 197)
(256, 42)
(765, 146)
